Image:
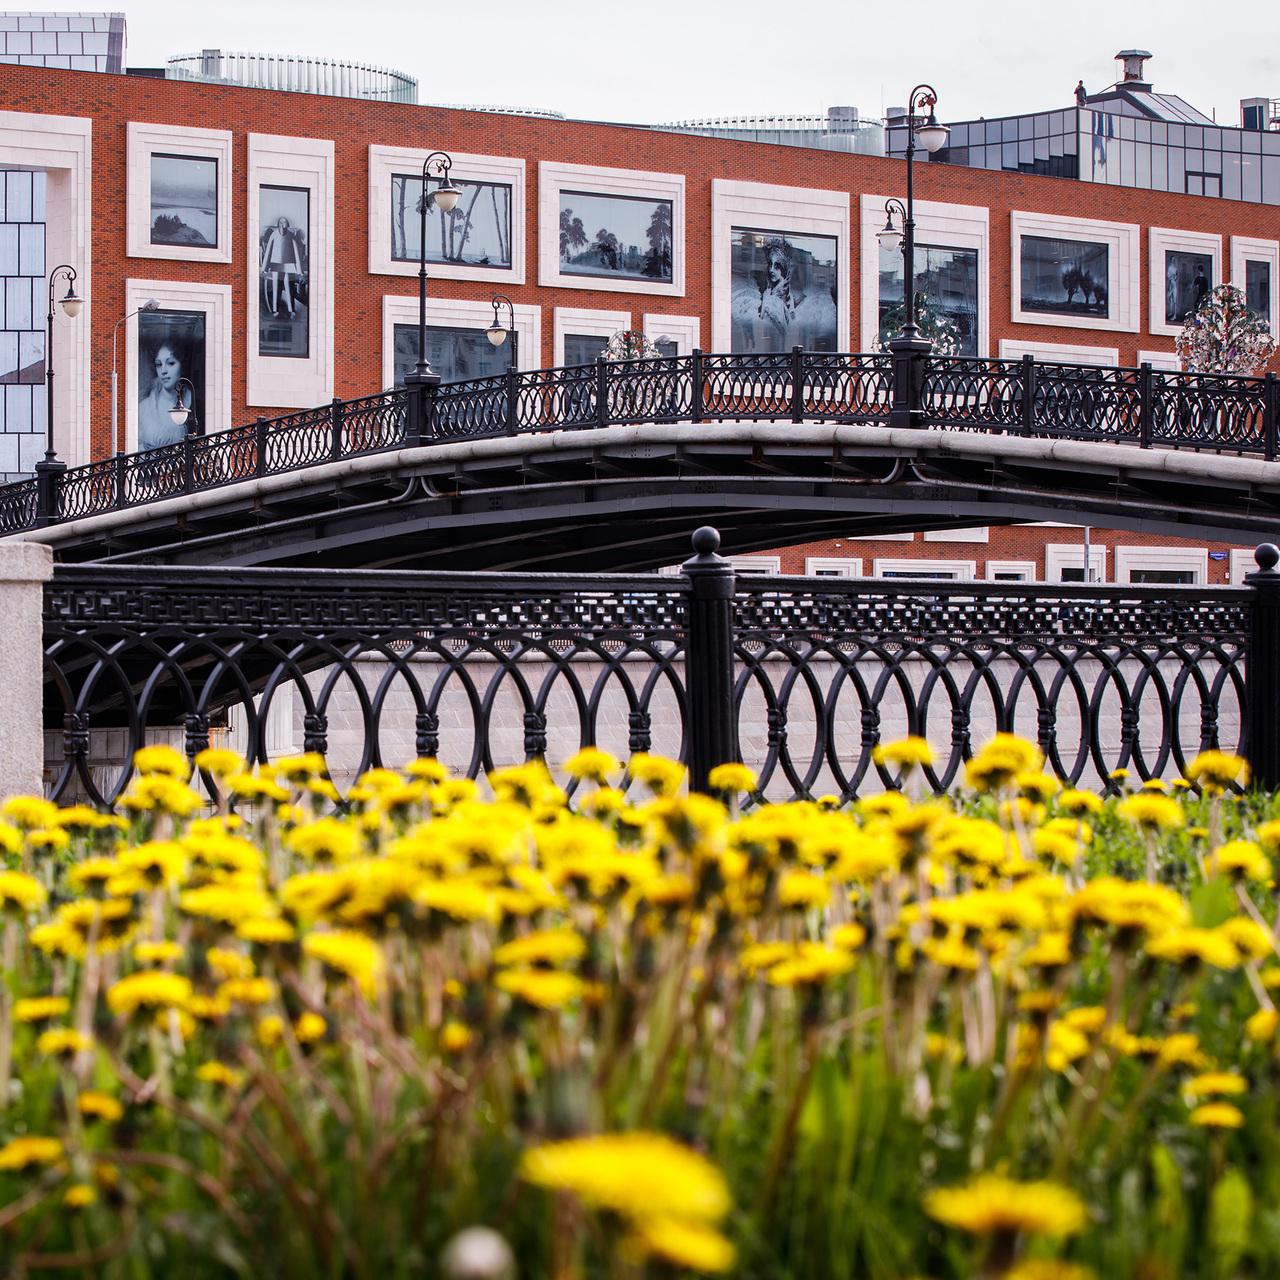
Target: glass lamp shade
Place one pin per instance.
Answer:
(890, 239)
(72, 304)
(446, 196)
(933, 135)
(179, 414)
(496, 334)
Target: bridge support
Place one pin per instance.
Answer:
(24, 569)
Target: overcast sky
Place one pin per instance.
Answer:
(660, 60)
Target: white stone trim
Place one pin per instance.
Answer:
(182, 295)
(802, 210)
(1027, 568)
(1159, 241)
(144, 141)
(1241, 563)
(1192, 559)
(686, 330)
(1061, 352)
(1249, 247)
(554, 178)
(884, 537)
(952, 226)
(456, 313)
(756, 566)
(1124, 268)
(385, 162)
(957, 570)
(289, 383)
(63, 147)
(1070, 555)
(979, 533)
(833, 566)
(584, 320)
(1166, 361)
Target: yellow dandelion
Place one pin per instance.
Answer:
(21, 1153)
(149, 992)
(542, 988)
(348, 954)
(691, 1246)
(99, 1106)
(37, 1009)
(992, 1204)
(1217, 1115)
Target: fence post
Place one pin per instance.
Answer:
(49, 491)
(122, 471)
(1270, 412)
(1262, 671)
(711, 728)
(1145, 407)
(335, 425)
(602, 392)
(260, 441)
(188, 462)
(24, 569)
(1028, 394)
(695, 370)
(420, 411)
(797, 384)
(513, 401)
(910, 356)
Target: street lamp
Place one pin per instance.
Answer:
(184, 415)
(150, 305)
(496, 334)
(446, 197)
(71, 303)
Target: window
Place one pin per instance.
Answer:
(1011, 570)
(785, 290)
(833, 567)
(1257, 287)
(475, 233)
(456, 354)
(1157, 566)
(1158, 576)
(583, 348)
(178, 201)
(946, 288)
(284, 271)
(22, 264)
(1065, 277)
(935, 570)
(632, 240)
(1188, 278)
(1184, 267)
(756, 566)
(184, 201)
(171, 347)
(1064, 562)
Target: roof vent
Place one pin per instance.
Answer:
(1133, 60)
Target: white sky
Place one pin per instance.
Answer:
(661, 60)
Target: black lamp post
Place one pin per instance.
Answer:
(182, 415)
(908, 348)
(445, 197)
(496, 334)
(71, 304)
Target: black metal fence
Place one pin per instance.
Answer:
(1143, 407)
(801, 678)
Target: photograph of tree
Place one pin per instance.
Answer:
(475, 233)
(184, 201)
(1065, 277)
(623, 237)
(946, 297)
(785, 291)
(284, 222)
(1188, 278)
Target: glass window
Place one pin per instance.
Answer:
(456, 355)
(31, 249)
(18, 311)
(993, 130)
(171, 371)
(1009, 155)
(615, 237)
(1194, 136)
(476, 232)
(1188, 277)
(583, 348)
(18, 201)
(1161, 577)
(1159, 131)
(1231, 177)
(1026, 154)
(184, 201)
(1142, 130)
(1026, 127)
(1041, 126)
(284, 272)
(8, 357)
(666, 347)
(946, 296)
(1065, 277)
(1251, 178)
(8, 249)
(1071, 575)
(785, 291)
(1271, 179)
(1009, 130)
(31, 356)
(1257, 287)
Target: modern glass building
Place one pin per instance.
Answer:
(77, 41)
(1126, 136)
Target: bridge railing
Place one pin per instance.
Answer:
(800, 678)
(1144, 407)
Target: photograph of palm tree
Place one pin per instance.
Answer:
(623, 237)
(475, 233)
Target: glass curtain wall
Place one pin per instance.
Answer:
(23, 303)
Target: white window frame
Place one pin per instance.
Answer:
(1124, 268)
(978, 533)
(1070, 555)
(1165, 361)
(587, 321)
(798, 210)
(386, 162)
(1250, 249)
(1059, 352)
(63, 147)
(1027, 568)
(1177, 559)
(144, 141)
(1240, 564)
(457, 313)
(884, 537)
(960, 570)
(554, 178)
(951, 226)
(305, 163)
(1160, 240)
(214, 300)
(756, 566)
(685, 331)
(833, 566)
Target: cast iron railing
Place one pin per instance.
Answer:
(801, 678)
(1144, 407)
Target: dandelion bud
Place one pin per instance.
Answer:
(478, 1253)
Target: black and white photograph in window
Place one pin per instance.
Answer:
(1065, 277)
(1188, 278)
(583, 348)
(184, 201)
(171, 346)
(284, 272)
(785, 291)
(475, 233)
(617, 237)
(456, 354)
(946, 297)
(1257, 287)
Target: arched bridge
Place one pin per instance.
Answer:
(604, 465)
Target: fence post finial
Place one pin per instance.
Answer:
(1262, 671)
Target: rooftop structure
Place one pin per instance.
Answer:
(841, 129)
(76, 41)
(330, 76)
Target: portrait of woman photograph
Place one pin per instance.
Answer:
(170, 349)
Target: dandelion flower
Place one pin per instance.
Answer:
(1209, 1083)
(993, 1204)
(20, 1153)
(1217, 1115)
(691, 1246)
(148, 991)
(542, 988)
(99, 1106)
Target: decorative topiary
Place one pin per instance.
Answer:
(1224, 335)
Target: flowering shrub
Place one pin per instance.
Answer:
(1024, 1031)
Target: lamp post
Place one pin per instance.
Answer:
(446, 197)
(496, 334)
(184, 415)
(49, 469)
(908, 348)
(150, 305)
